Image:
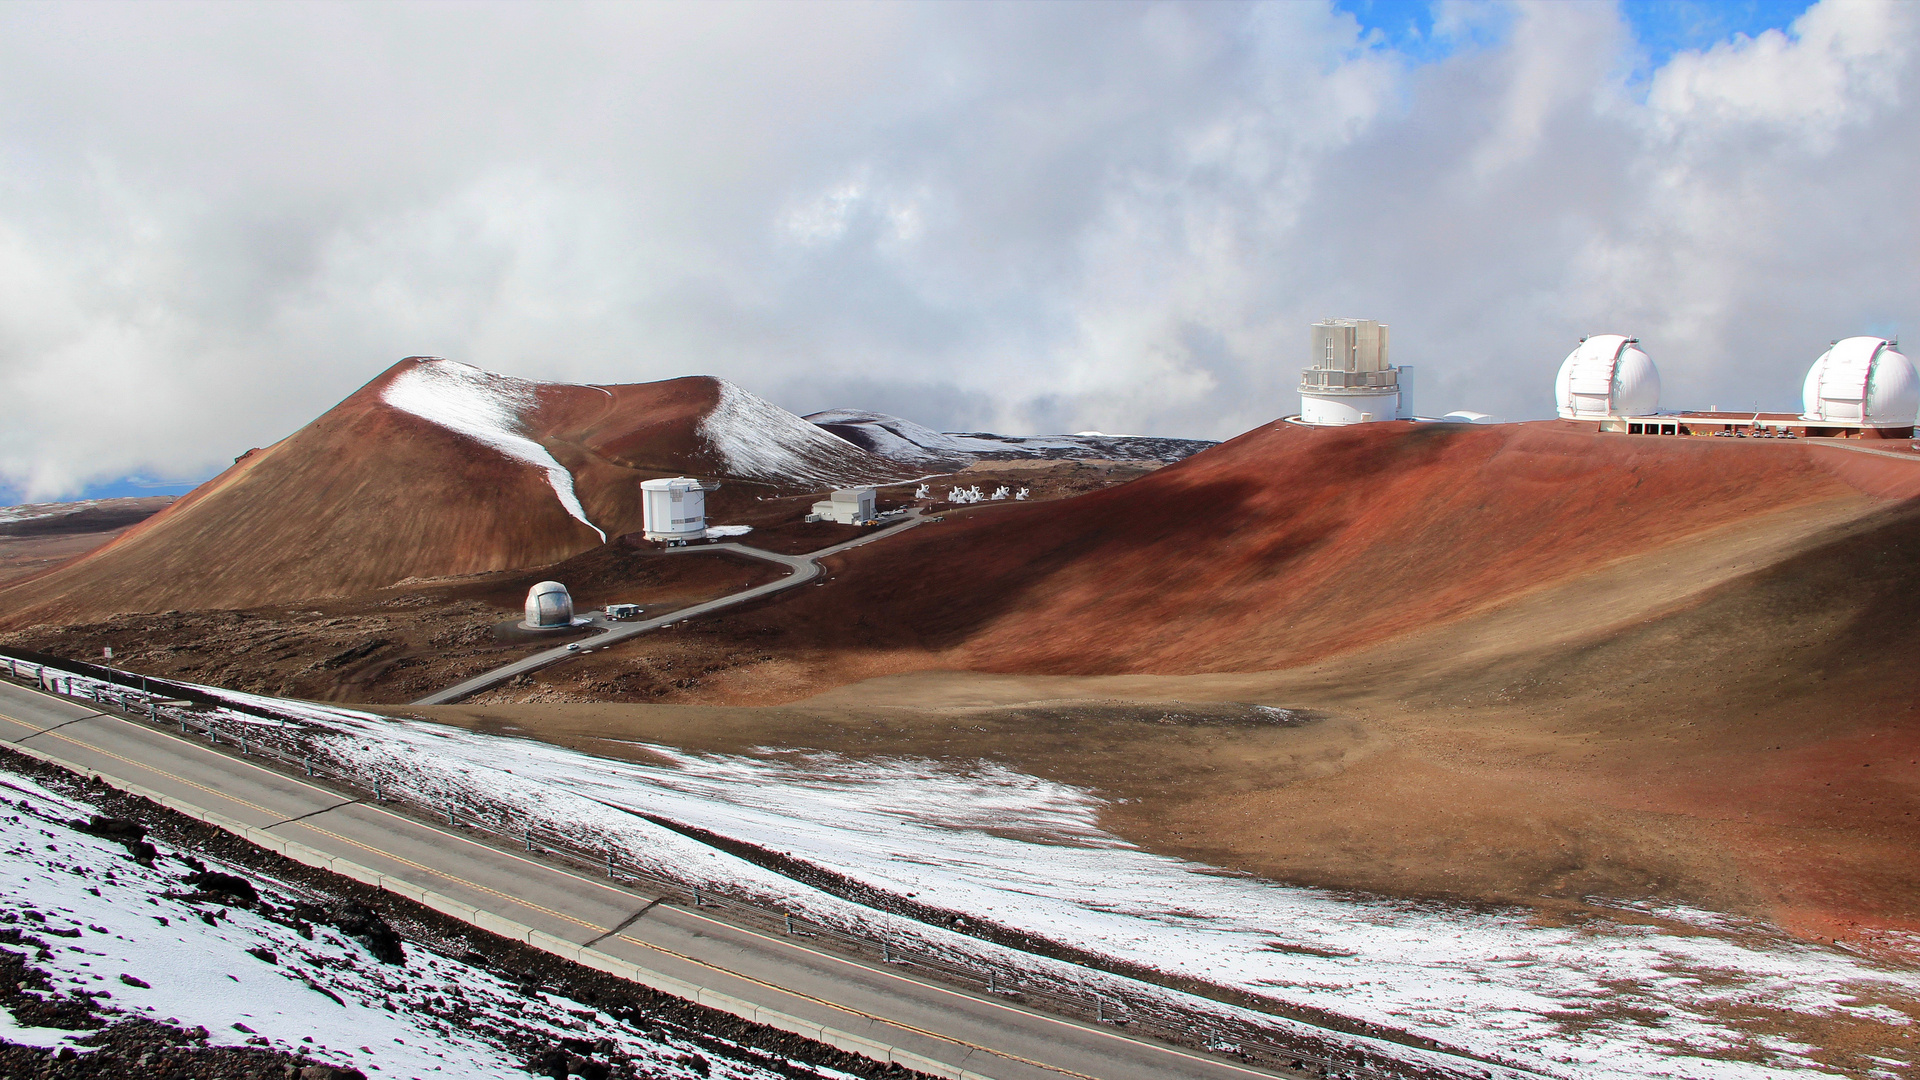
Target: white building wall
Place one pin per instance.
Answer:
(849, 506)
(1348, 408)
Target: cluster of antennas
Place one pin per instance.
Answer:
(1857, 382)
(960, 496)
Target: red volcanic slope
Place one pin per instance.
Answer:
(1288, 543)
(370, 494)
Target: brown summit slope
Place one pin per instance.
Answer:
(1289, 544)
(369, 494)
(362, 497)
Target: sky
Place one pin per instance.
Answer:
(217, 221)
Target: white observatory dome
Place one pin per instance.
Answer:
(1862, 382)
(1608, 375)
(549, 605)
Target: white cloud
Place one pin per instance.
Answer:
(215, 222)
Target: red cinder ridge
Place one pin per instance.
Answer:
(1289, 543)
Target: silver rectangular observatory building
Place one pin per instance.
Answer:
(1350, 380)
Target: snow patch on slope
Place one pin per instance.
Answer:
(758, 440)
(487, 408)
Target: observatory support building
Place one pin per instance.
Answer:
(1350, 381)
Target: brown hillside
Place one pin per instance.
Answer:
(369, 494)
(1291, 543)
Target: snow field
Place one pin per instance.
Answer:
(1704, 996)
(1028, 854)
(372, 1016)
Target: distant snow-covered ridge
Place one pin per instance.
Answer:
(31, 511)
(910, 443)
(488, 408)
(757, 440)
(85, 516)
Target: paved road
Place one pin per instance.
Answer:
(981, 1036)
(804, 569)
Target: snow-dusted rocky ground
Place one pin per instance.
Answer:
(132, 942)
(910, 443)
(1669, 993)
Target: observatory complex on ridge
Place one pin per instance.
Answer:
(1860, 388)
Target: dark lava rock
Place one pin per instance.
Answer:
(112, 828)
(239, 889)
(331, 1072)
(365, 924)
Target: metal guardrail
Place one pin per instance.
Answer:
(1138, 1015)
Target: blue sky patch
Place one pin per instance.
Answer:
(123, 488)
(1662, 27)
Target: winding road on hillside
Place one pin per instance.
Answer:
(804, 568)
(781, 982)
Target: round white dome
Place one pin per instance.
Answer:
(548, 604)
(1608, 375)
(1862, 382)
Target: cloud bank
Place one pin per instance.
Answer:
(217, 221)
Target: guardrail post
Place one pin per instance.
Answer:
(886, 953)
(696, 896)
(308, 762)
(789, 916)
(991, 988)
(153, 712)
(1099, 1011)
(213, 734)
(243, 743)
(376, 791)
(529, 839)
(609, 864)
